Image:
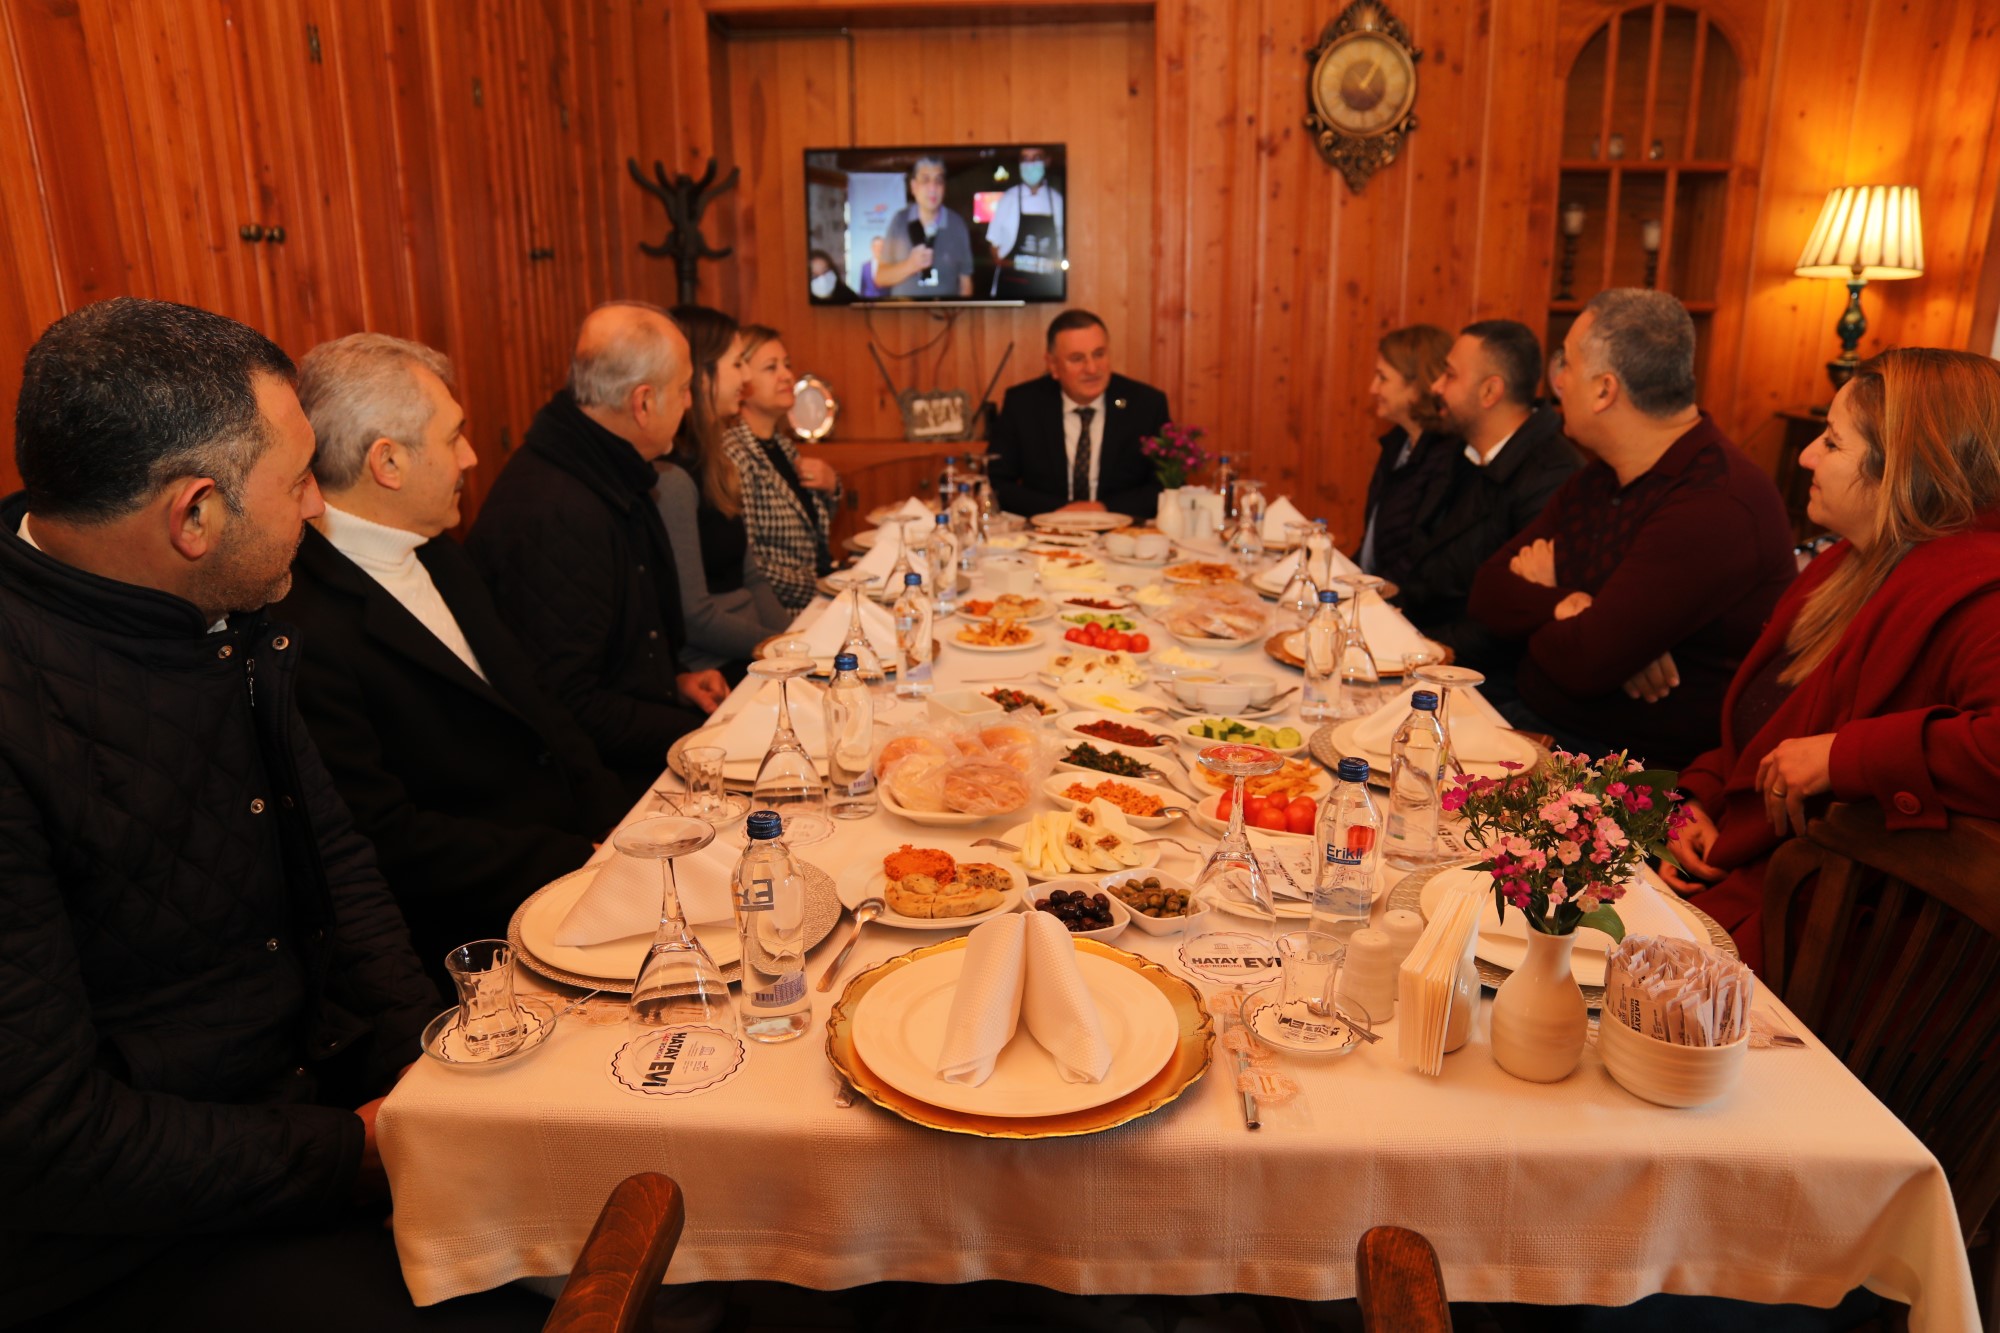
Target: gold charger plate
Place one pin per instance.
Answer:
(1320, 745)
(1409, 893)
(1274, 648)
(1188, 1063)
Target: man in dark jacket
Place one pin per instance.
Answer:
(1514, 458)
(1070, 440)
(201, 970)
(476, 786)
(571, 544)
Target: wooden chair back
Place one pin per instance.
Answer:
(1398, 1283)
(611, 1289)
(1887, 944)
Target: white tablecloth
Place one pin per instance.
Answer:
(1798, 1187)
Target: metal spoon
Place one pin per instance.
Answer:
(1001, 843)
(864, 911)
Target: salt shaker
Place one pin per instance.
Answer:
(1369, 973)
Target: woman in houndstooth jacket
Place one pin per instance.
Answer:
(788, 501)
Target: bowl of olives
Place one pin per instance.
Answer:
(1088, 910)
(1158, 901)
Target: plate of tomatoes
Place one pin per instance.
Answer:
(1280, 816)
(1107, 632)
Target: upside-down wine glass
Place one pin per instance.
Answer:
(1300, 598)
(1232, 871)
(678, 985)
(788, 780)
(1246, 543)
(867, 660)
(1360, 680)
(1446, 679)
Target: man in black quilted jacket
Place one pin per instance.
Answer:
(202, 975)
(572, 546)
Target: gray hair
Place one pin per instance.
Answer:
(1646, 339)
(921, 162)
(604, 373)
(359, 389)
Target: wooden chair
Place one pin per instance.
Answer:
(1398, 1283)
(1887, 944)
(611, 1289)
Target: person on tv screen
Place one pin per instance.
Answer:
(826, 285)
(1026, 234)
(927, 250)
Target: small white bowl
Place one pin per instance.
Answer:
(1666, 1074)
(1121, 545)
(1121, 915)
(1223, 696)
(1262, 688)
(963, 705)
(1190, 925)
(1151, 546)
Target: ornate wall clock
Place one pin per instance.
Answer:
(1362, 93)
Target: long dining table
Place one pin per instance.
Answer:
(1798, 1186)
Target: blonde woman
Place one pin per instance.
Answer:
(788, 501)
(1878, 677)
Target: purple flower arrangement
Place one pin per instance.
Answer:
(1175, 451)
(1564, 837)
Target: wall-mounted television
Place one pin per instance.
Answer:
(927, 225)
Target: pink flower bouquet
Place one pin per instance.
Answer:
(1564, 837)
(1175, 451)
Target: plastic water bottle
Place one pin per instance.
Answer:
(941, 554)
(770, 903)
(913, 640)
(1416, 776)
(965, 526)
(947, 482)
(850, 742)
(1349, 839)
(1321, 699)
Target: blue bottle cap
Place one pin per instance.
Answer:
(965, 488)
(1328, 597)
(912, 579)
(765, 824)
(1352, 770)
(846, 662)
(943, 520)
(1424, 701)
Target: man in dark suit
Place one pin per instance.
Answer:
(1070, 440)
(476, 786)
(1514, 457)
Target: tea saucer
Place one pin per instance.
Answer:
(444, 1040)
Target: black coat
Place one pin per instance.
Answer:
(572, 549)
(200, 967)
(1464, 514)
(1030, 466)
(475, 794)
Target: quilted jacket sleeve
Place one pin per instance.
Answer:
(82, 1151)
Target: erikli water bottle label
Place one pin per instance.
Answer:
(783, 990)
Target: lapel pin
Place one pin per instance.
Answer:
(1118, 402)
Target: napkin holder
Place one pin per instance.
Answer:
(1435, 1000)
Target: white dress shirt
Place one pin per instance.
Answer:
(1072, 423)
(389, 556)
(1486, 461)
(1019, 202)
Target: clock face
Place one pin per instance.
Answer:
(1364, 84)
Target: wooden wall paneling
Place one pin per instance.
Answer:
(1513, 243)
(30, 279)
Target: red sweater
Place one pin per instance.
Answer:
(1689, 558)
(1911, 693)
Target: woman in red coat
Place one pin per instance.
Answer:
(1878, 677)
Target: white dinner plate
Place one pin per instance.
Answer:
(1149, 856)
(1081, 520)
(1111, 700)
(1207, 819)
(616, 961)
(1045, 610)
(899, 1029)
(1209, 645)
(1505, 943)
(1522, 751)
(1035, 639)
(864, 879)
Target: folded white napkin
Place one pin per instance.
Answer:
(1281, 514)
(986, 1008)
(829, 632)
(881, 558)
(624, 896)
(1275, 576)
(1475, 731)
(746, 732)
(1023, 970)
(914, 508)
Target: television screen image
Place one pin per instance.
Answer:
(960, 225)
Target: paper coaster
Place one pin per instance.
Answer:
(1230, 956)
(676, 1062)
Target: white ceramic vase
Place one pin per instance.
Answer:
(1169, 517)
(1539, 1019)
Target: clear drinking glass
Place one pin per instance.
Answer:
(1413, 662)
(1360, 681)
(1444, 679)
(1310, 963)
(868, 662)
(1246, 543)
(678, 985)
(1232, 872)
(490, 1023)
(788, 780)
(891, 586)
(705, 799)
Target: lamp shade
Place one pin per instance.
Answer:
(1866, 231)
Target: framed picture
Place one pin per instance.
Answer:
(939, 415)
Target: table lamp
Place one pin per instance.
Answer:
(1863, 232)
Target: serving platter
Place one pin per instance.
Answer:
(864, 879)
(1193, 1047)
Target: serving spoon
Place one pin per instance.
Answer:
(864, 911)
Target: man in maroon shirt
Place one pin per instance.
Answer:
(1646, 579)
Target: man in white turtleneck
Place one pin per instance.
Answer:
(476, 785)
